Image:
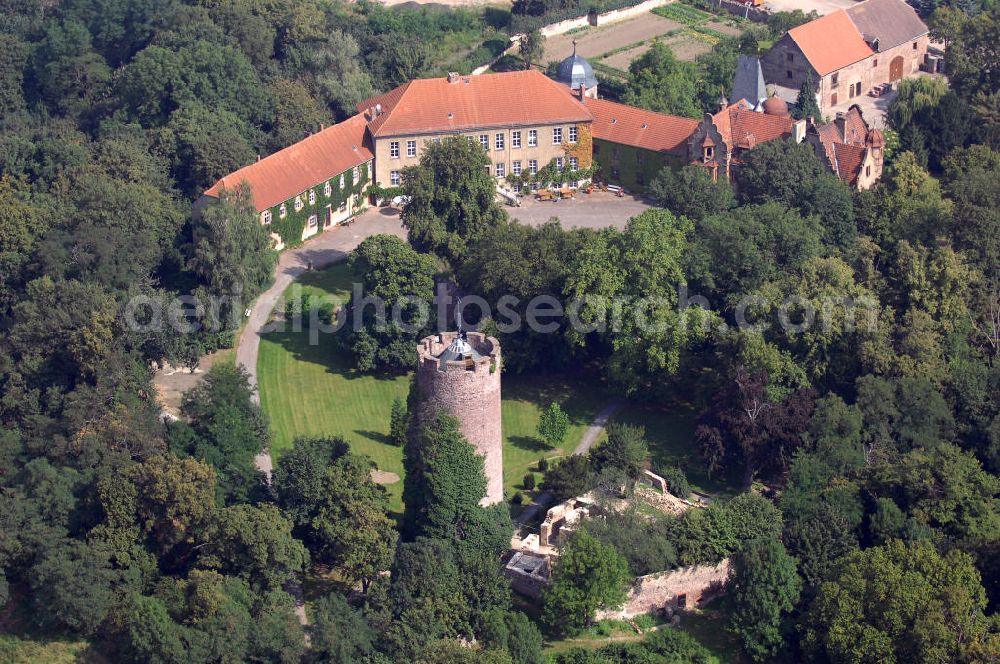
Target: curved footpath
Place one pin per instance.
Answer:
(544, 499)
(325, 249)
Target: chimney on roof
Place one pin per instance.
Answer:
(258, 157)
(378, 110)
(841, 123)
(453, 77)
(799, 131)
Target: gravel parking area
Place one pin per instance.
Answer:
(598, 210)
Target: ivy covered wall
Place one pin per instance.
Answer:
(636, 167)
(291, 227)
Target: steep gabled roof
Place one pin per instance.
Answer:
(848, 160)
(289, 172)
(742, 127)
(435, 105)
(748, 83)
(830, 42)
(640, 128)
(892, 22)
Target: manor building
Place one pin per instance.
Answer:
(523, 119)
(528, 124)
(848, 52)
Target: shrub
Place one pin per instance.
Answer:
(529, 481)
(517, 499)
(677, 482)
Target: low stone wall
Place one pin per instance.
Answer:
(684, 588)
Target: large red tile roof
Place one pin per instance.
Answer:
(639, 128)
(435, 105)
(291, 171)
(830, 42)
(744, 128)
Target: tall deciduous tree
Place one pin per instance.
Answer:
(587, 575)
(402, 281)
(764, 587)
(452, 198)
(660, 82)
(553, 425)
(444, 480)
(231, 256)
(899, 602)
(532, 47)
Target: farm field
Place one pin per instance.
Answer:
(688, 31)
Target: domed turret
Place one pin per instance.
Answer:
(577, 73)
(775, 105)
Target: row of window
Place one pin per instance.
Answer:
(298, 203)
(535, 186)
(499, 141)
(500, 169)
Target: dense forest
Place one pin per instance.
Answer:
(874, 456)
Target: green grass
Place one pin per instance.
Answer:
(670, 434)
(312, 390)
(524, 398)
(685, 14)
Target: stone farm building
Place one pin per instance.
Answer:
(528, 124)
(850, 51)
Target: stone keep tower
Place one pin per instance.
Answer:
(459, 373)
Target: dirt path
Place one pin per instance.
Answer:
(587, 441)
(326, 249)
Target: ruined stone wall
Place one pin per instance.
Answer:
(654, 592)
(470, 394)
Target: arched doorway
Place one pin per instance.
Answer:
(896, 68)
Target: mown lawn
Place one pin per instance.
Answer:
(670, 434)
(311, 390)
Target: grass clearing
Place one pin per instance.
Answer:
(312, 390)
(670, 434)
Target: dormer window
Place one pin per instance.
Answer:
(265, 217)
(283, 211)
(709, 153)
(327, 190)
(298, 203)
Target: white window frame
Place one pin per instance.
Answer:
(533, 166)
(298, 203)
(265, 217)
(515, 139)
(534, 187)
(394, 149)
(516, 167)
(498, 141)
(328, 190)
(559, 164)
(484, 140)
(557, 136)
(341, 180)
(394, 178)
(574, 163)
(501, 169)
(355, 175)
(532, 138)
(573, 135)
(313, 220)
(411, 148)
(312, 197)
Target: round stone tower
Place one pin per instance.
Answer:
(459, 373)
